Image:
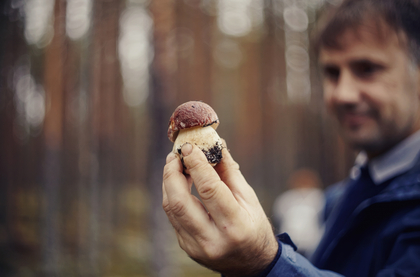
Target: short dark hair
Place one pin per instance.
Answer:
(399, 15)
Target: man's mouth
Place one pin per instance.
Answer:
(354, 119)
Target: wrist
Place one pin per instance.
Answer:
(270, 266)
(259, 262)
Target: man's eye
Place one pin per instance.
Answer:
(366, 69)
(331, 73)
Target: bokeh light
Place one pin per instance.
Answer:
(30, 102)
(296, 24)
(297, 58)
(296, 18)
(135, 53)
(235, 23)
(38, 21)
(238, 17)
(77, 18)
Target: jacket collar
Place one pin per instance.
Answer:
(399, 159)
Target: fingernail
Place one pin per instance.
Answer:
(171, 156)
(186, 149)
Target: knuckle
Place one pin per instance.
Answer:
(167, 172)
(165, 205)
(197, 250)
(177, 207)
(230, 161)
(184, 247)
(230, 166)
(208, 190)
(196, 253)
(234, 165)
(212, 253)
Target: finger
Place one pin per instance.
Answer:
(183, 209)
(229, 172)
(165, 204)
(185, 240)
(189, 237)
(216, 196)
(224, 144)
(171, 156)
(179, 228)
(228, 167)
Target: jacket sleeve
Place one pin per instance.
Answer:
(291, 263)
(405, 255)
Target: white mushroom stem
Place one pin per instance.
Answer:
(206, 138)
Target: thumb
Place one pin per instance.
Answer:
(194, 158)
(215, 195)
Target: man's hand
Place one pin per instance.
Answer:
(227, 231)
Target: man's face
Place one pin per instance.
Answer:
(372, 88)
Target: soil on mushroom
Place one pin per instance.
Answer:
(214, 155)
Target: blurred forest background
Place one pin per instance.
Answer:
(86, 91)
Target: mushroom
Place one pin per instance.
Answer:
(195, 122)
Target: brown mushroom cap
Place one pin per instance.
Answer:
(191, 114)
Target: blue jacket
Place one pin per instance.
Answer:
(382, 239)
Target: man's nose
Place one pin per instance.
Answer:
(346, 89)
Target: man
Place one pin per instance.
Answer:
(369, 53)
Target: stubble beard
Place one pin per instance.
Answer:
(374, 141)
